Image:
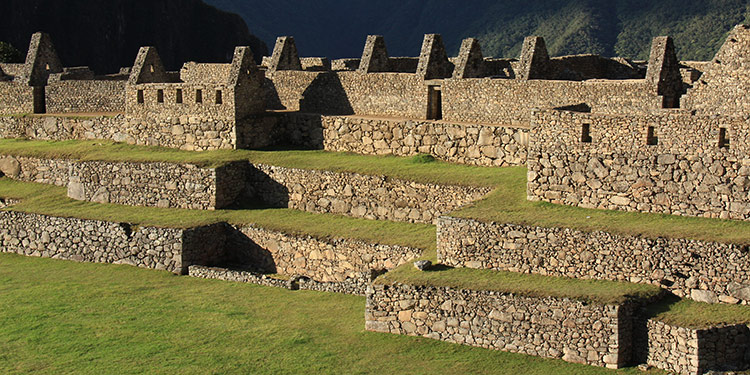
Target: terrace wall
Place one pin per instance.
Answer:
(352, 194)
(464, 143)
(697, 351)
(575, 331)
(325, 260)
(108, 242)
(684, 169)
(16, 98)
(157, 184)
(44, 171)
(706, 271)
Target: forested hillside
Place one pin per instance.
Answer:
(335, 28)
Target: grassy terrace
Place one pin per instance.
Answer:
(60, 317)
(53, 200)
(692, 314)
(414, 169)
(595, 291)
(506, 204)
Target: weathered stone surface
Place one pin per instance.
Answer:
(10, 166)
(598, 255)
(601, 335)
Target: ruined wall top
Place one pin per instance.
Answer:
(534, 62)
(285, 56)
(41, 60)
(147, 67)
(724, 87)
(664, 68)
(374, 56)
(433, 61)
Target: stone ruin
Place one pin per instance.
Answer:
(659, 136)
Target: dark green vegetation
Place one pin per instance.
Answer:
(62, 317)
(609, 27)
(106, 35)
(9, 54)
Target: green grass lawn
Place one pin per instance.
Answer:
(62, 317)
(692, 314)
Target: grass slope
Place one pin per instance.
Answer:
(692, 314)
(61, 317)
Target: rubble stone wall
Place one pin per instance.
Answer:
(357, 195)
(473, 144)
(85, 96)
(16, 98)
(107, 242)
(697, 351)
(706, 271)
(683, 169)
(575, 331)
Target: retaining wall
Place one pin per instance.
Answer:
(109, 242)
(44, 171)
(326, 260)
(706, 271)
(474, 144)
(157, 184)
(352, 194)
(579, 332)
(697, 351)
(85, 96)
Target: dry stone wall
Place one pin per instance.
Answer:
(85, 96)
(671, 162)
(510, 101)
(697, 351)
(44, 171)
(325, 260)
(463, 143)
(157, 184)
(352, 194)
(575, 331)
(16, 98)
(108, 242)
(705, 271)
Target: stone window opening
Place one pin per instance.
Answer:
(178, 96)
(46, 67)
(723, 139)
(434, 103)
(199, 96)
(586, 133)
(218, 97)
(160, 96)
(151, 68)
(140, 97)
(670, 102)
(651, 138)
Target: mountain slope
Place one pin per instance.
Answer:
(610, 27)
(107, 34)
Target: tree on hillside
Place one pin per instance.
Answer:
(9, 54)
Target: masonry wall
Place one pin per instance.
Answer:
(352, 194)
(344, 93)
(510, 102)
(107, 242)
(157, 184)
(697, 351)
(463, 143)
(706, 271)
(44, 171)
(85, 96)
(326, 260)
(16, 98)
(687, 172)
(579, 332)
